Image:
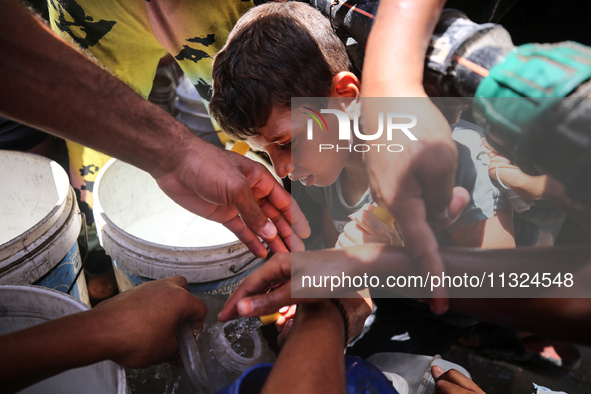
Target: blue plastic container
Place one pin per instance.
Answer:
(362, 378)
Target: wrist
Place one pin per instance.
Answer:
(175, 146)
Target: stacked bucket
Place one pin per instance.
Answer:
(40, 262)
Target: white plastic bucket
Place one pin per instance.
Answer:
(149, 236)
(39, 225)
(26, 306)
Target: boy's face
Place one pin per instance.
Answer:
(294, 155)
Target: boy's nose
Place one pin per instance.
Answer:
(282, 164)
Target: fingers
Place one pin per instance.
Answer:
(421, 243)
(296, 244)
(276, 270)
(436, 371)
(264, 185)
(453, 381)
(194, 310)
(281, 224)
(272, 202)
(344, 241)
(179, 281)
(283, 201)
(247, 237)
(287, 240)
(437, 176)
(251, 214)
(284, 334)
(361, 214)
(265, 304)
(460, 198)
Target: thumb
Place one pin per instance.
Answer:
(460, 198)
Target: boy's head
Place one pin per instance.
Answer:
(275, 51)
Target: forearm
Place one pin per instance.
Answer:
(39, 352)
(535, 314)
(50, 85)
(397, 46)
(312, 359)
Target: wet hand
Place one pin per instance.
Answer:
(239, 193)
(139, 324)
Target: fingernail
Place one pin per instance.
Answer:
(244, 307)
(436, 371)
(269, 231)
(442, 216)
(288, 325)
(284, 309)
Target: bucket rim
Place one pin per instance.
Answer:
(238, 245)
(44, 251)
(54, 213)
(45, 293)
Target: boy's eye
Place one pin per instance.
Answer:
(285, 146)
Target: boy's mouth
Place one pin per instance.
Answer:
(307, 181)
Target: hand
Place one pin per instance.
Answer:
(366, 227)
(284, 323)
(239, 193)
(453, 382)
(415, 185)
(358, 310)
(527, 187)
(252, 298)
(140, 323)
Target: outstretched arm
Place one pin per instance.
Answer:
(135, 329)
(49, 85)
(530, 314)
(416, 185)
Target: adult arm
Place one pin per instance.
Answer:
(50, 85)
(416, 185)
(531, 314)
(135, 329)
(312, 359)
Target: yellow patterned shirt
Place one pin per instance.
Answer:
(130, 36)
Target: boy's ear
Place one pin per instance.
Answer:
(345, 84)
